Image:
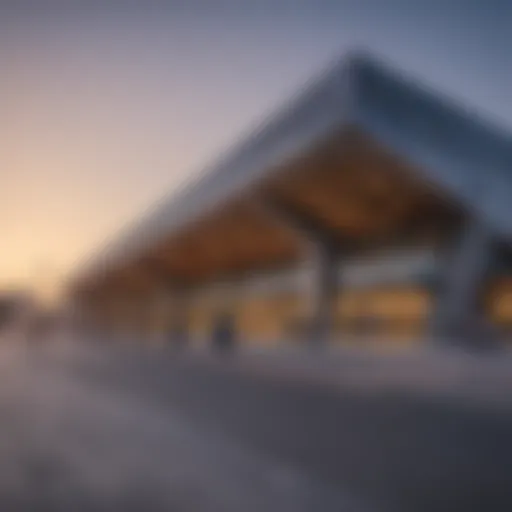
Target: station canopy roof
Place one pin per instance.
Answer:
(363, 153)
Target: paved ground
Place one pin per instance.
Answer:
(140, 430)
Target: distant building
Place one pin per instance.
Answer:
(14, 306)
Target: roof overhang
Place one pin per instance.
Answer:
(358, 101)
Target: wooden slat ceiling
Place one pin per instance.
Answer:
(349, 185)
(235, 238)
(366, 193)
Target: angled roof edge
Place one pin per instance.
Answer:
(451, 146)
(307, 116)
(459, 151)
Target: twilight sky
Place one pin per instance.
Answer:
(106, 106)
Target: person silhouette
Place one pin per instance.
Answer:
(223, 334)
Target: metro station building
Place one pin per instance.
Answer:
(369, 207)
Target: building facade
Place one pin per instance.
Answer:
(368, 208)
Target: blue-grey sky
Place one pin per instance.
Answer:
(108, 105)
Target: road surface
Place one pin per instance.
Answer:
(141, 430)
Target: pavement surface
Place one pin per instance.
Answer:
(132, 429)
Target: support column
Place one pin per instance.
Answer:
(322, 249)
(109, 316)
(106, 319)
(458, 313)
(149, 310)
(87, 313)
(146, 317)
(134, 318)
(323, 290)
(169, 303)
(159, 306)
(178, 332)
